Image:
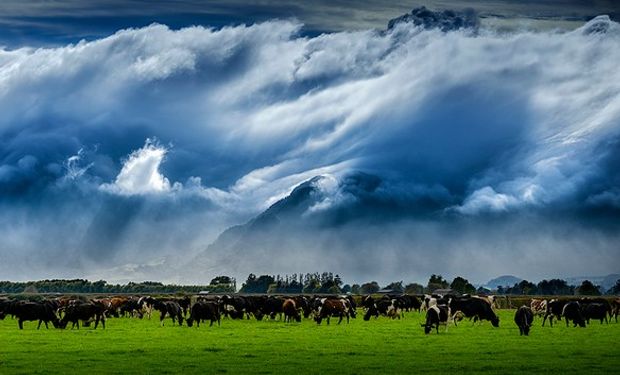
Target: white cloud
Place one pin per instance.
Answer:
(140, 173)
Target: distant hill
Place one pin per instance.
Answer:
(603, 281)
(504, 281)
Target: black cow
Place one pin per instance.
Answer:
(384, 306)
(234, 306)
(29, 311)
(473, 307)
(303, 304)
(436, 315)
(132, 307)
(170, 308)
(203, 310)
(572, 311)
(524, 318)
(554, 310)
(595, 311)
(332, 307)
(273, 307)
(84, 311)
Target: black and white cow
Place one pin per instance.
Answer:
(436, 315)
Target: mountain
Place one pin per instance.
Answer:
(446, 20)
(504, 281)
(606, 282)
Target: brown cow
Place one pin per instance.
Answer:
(332, 307)
(289, 308)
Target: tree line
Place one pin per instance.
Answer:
(219, 284)
(310, 283)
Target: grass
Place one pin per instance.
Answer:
(241, 347)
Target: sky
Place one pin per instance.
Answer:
(134, 133)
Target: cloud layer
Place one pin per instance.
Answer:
(455, 124)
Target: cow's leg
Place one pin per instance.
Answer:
(21, 324)
(96, 321)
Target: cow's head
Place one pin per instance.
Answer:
(495, 321)
(427, 328)
(190, 322)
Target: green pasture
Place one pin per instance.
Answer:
(379, 346)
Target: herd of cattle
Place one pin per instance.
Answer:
(440, 310)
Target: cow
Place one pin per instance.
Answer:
(615, 308)
(255, 306)
(29, 311)
(332, 307)
(273, 307)
(303, 304)
(473, 307)
(524, 316)
(132, 307)
(289, 308)
(554, 309)
(146, 303)
(170, 308)
(572, 311)
(84, 311)
(595, 311)
(584, 302)
(538, 306)
(384, 306)
(436, 315)
(203, 310)
(234, 306)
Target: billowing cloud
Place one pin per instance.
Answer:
(454, 124)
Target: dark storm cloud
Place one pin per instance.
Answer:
(40, 22)
(144, 145)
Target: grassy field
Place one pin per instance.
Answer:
(242, 347)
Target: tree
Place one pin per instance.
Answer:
(227, 280)
(414, 288)
(355, 289)
(436, 282)
(396, 286)
(312, 286)
(588, 289)
(554, 287)
(462, 285)
(369, 288)
(257, 284)
(346, 288)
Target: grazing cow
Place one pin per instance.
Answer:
(146, 303)
(132, 307)
(595, 311)
(84, 311)
(473, 307)
(584, 302)
(435, 316)
(384, 306)
(170, 308)
(289, 308)
(332, 307)
(234, 306)
(273, 307)
(28, 311)
(203, 310)
(524, 318)
(554, 310)
(255, 306)
(303, 304)
(572, 311)
(538, 306)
